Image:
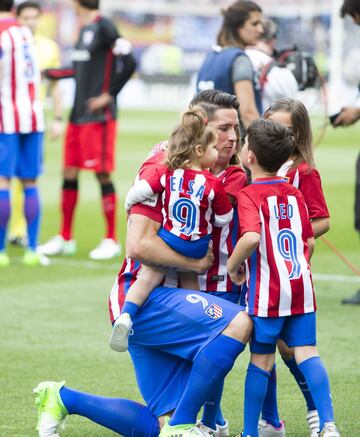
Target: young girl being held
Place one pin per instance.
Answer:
(193, 201)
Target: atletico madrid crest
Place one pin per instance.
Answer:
(214, 311)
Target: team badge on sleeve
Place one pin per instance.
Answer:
(214, 311)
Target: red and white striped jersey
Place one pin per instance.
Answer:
(308, 181)
(233, 179)
(20, 104)
(278, 272)
(193, 200)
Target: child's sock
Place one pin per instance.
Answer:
(122, 416)
(32, 215)
(130, 308)
(210, 367)
(270, 407)
(255, 390)
(318, 382)
(301, 381)
(4, 216)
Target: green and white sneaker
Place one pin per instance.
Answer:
(329, 430)
(188, 430)
(4, 259)
(51, 410)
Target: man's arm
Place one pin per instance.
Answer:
(144, 245)
(347, 117)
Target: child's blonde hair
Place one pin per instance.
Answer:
(192, 130)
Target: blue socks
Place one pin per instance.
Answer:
(318, 382)
(270, 407)
(130, 308)
(256, 383)
(212, 414)
(32, 215)
(4, 216)
(210, 367)
(299, 378)
(122, 416)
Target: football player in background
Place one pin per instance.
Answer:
(102, 64)
(21, 129)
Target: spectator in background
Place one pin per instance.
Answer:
(21, 129)
(275, 81)
(347, 117)
(47, 55)
(103, 63)
(227, 67)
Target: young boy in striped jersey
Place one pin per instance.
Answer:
(276, 243)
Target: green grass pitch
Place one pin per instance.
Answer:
(54, 321)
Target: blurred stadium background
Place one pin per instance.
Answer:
(171, 38)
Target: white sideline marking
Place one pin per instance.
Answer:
(116, 266)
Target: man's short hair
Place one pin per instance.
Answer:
(270, 29)
(28, 4)
(89, 4)
(6, 5)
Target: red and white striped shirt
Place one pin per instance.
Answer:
(20, 105)
(193, 200)
(278, 272)
(308, 181)
(233, 179)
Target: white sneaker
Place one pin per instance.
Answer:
(120, 333)
(265, 429)
(313, 421)
(57, 246)
(329, 430)
(108, 248)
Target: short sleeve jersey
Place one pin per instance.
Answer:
(192, 201)
(278, 273)
(308, 181)
(94, 63)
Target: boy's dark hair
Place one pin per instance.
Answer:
(271, 142)
(350, 7)
(6, 5)
(28, 4)
(89, 4)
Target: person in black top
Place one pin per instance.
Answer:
(102, 64)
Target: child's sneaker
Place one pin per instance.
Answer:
(329, 430)
(265, 429)
(206, 429)
(313, 421)
(51, 410)
(120, 333)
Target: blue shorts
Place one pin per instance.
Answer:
(299, 330)
(21, 155)
(192, 249)
(169, 330)
(230, 297)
